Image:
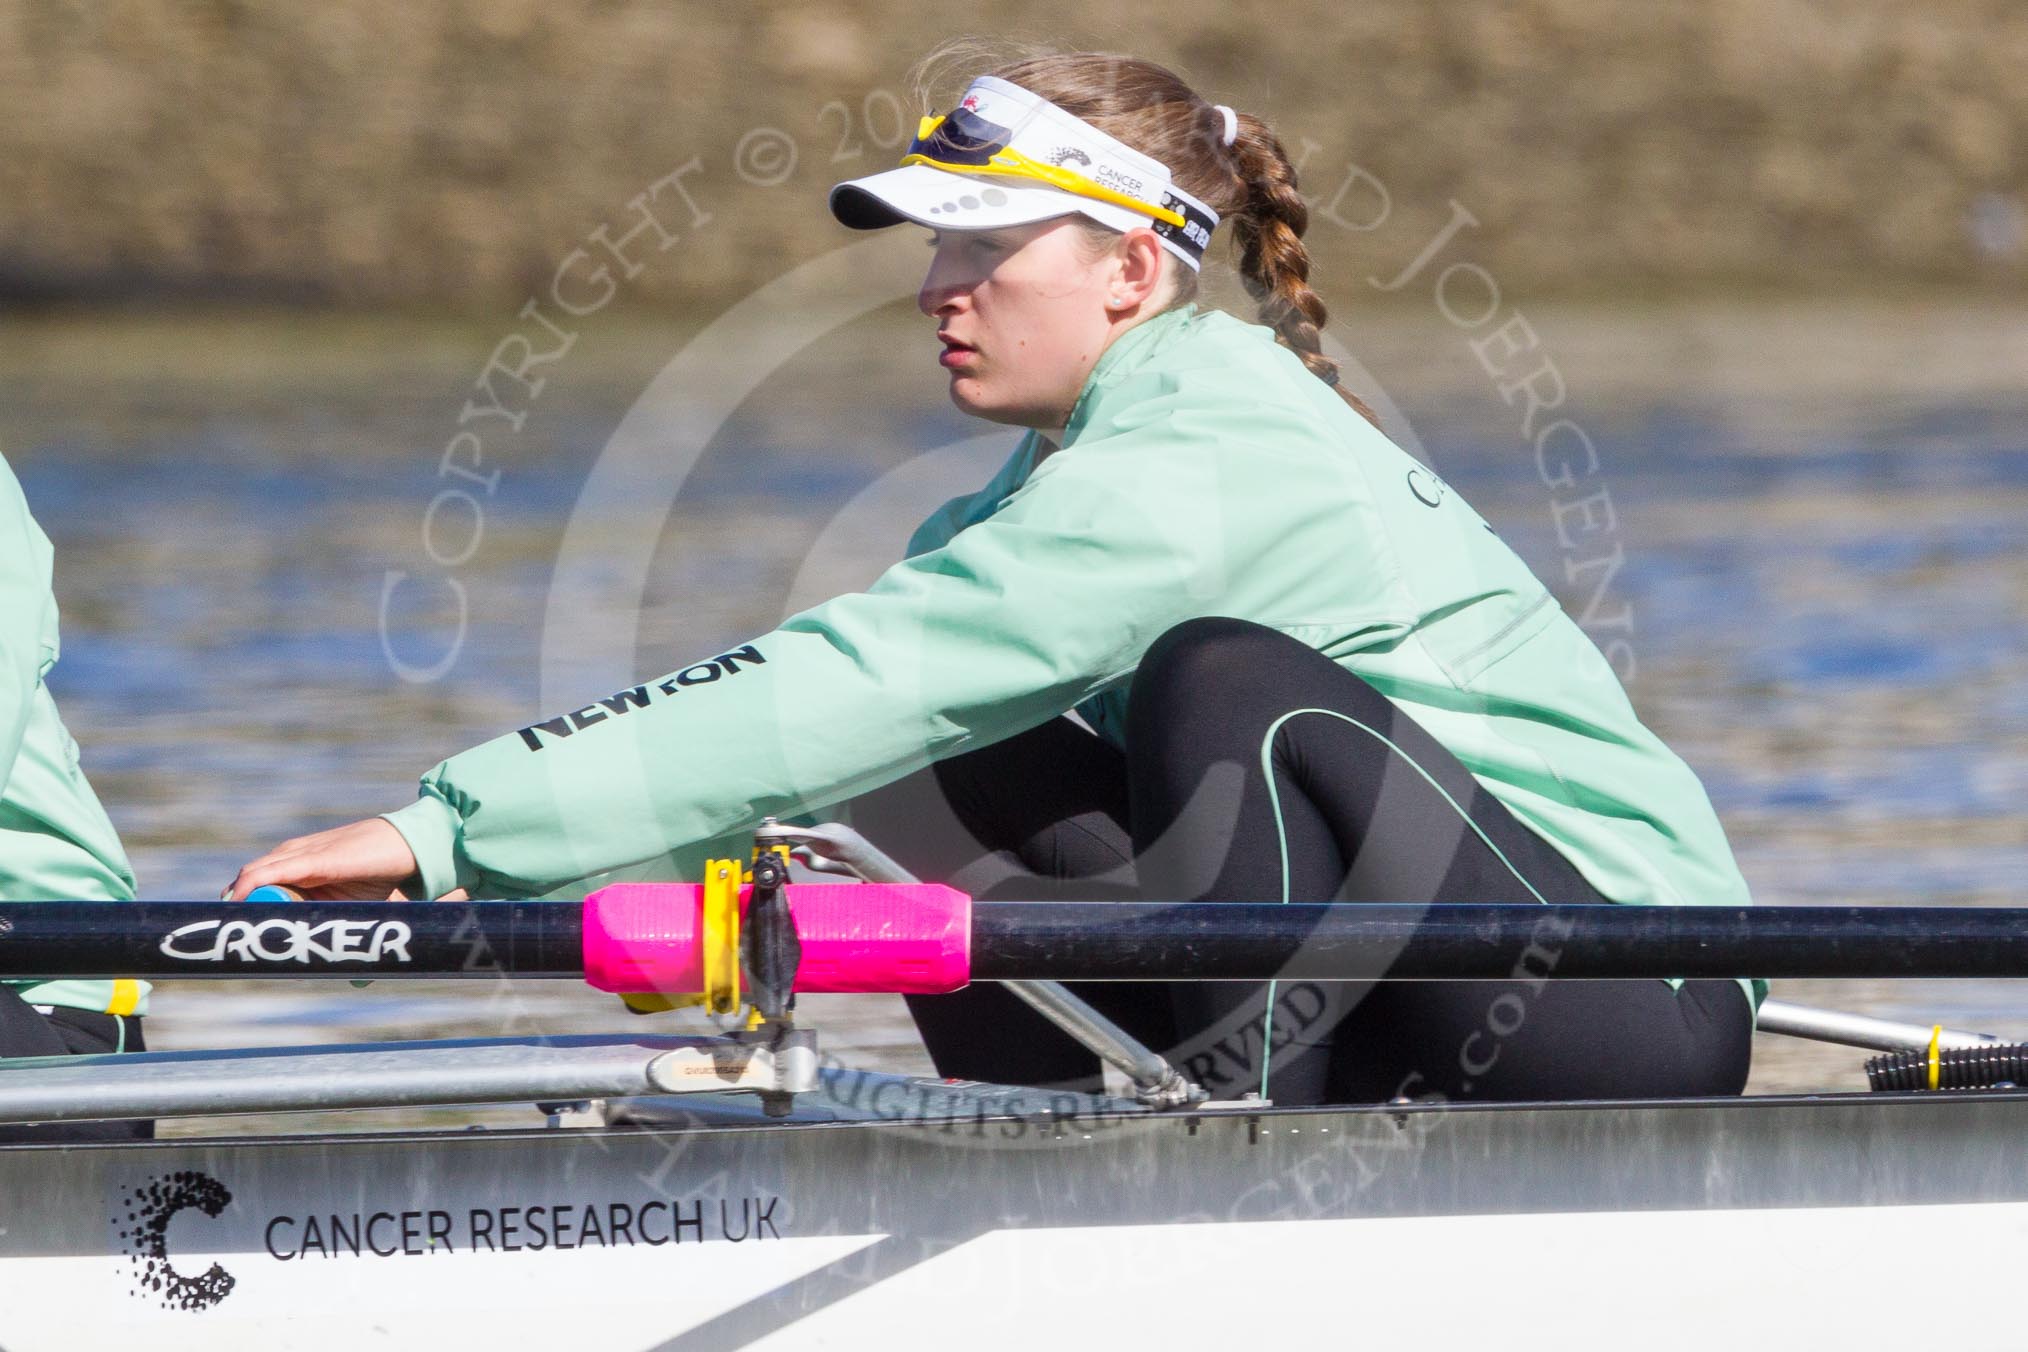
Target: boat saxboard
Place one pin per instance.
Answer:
(887, 1208)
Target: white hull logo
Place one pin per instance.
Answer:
(280, 940)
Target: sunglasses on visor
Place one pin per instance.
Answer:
(964, 142)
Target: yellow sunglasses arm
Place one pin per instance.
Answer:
(1014, 164)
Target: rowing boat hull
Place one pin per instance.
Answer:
(919, 1213)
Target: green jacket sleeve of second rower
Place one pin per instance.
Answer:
(25, 628)
(1015, 618)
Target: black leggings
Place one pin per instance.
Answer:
(26, 1031)
(1258, 769)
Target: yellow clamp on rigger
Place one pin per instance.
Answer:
(718, 927)
(720, 935)
(1935, 1061)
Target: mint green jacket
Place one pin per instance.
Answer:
(1204, 471)
(55, 840)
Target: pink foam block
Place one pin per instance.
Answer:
(911, 939)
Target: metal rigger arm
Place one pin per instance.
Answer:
(835, 848)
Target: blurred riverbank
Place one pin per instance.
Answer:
(381, 154)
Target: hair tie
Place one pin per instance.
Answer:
(1231, 123)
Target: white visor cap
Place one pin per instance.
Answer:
(988, 187)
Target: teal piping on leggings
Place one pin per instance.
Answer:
(1282, 841)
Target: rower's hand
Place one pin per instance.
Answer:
(365, 861)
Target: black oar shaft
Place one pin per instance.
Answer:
(1134, 941)
(1063, 941)
(291, 939)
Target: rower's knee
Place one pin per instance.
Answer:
(1212, 663)
(1202, 655)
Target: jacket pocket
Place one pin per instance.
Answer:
(1524, 618)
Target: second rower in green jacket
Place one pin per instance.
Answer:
(56, 842)
(1305, 668)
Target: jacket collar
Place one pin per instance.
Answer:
(1128, 353)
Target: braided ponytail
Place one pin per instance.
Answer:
(1249, 182)
(1273, 264)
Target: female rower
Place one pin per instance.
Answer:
(55, 840)
(1305, 668)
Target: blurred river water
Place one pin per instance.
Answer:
(1811, 555)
